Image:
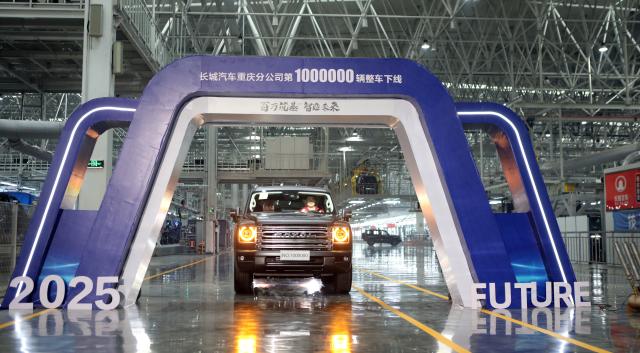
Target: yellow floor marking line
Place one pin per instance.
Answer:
(177, 268)
(24, 318)
(41, 312)
(435, 294)
(503, 317)
(431, 332)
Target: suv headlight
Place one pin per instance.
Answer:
(247, 234)
(340, 234)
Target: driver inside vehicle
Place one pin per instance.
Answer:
(311, 206)
(268, 206)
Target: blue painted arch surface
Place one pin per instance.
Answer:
(72, 152)
(552, 247)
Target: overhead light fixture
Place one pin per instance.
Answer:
(355, 138)
(346, 149)
(357, 201)
(603, 48)
(8, 183)
(425, 45)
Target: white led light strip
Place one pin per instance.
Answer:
(57, 181)
(533, 182)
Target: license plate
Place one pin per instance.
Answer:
(295, 255)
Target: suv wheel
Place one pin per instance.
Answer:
(242, 282)
(328, 285)
(339, 283)
(343, 282)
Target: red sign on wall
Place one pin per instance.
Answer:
(622, 190)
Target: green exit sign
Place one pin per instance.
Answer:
(95, 163)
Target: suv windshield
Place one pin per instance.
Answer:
(290, 201)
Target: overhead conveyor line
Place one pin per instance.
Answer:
(30, 129)
(34, 151)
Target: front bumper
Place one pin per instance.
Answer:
(268, 264)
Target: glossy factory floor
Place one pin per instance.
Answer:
(398, 304)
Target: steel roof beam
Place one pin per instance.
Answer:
(45, 11)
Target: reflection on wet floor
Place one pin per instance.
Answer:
(194, 309)
(272, 325)
(287, 286)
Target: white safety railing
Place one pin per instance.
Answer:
(253, 161)
(16, 162)
(596, 247)
(14, 220)
(137, 13)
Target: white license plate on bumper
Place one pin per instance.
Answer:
(295, 255)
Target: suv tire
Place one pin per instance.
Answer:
(342, 282)
(242, 281)
(339, 283)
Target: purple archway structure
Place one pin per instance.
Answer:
(473, 244)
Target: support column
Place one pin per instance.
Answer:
(13, 251)
(235, 191)
(420, 223)
(560, 134)
(98, 81)
(324, 162)
(482, 157)
(212, 188)
(245, 194)
(420, 275)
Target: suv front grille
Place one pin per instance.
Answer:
(299, 237)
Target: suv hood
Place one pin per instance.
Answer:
(294, 218)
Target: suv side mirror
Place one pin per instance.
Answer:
(346, 215)
(234, 216)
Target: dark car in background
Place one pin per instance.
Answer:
(373, 236)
